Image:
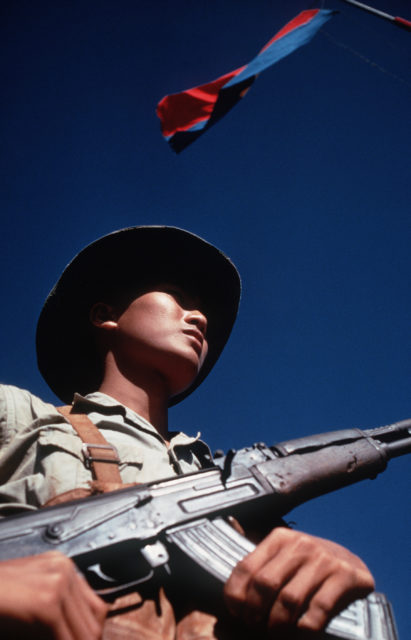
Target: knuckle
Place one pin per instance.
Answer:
(234, 594)
(359, 572)
(353, 576)
(366, 580)
(316, 618)
(278, 536)
(288, 599)
(58, 584)
(282, 532)
(321, 605)
(313, 622)
(58, 561)
(234, 602)
(347, 577)
(265, 583)
(304, 545)
(55, 556)
(301, 542)
(327, 562)
(245, 567)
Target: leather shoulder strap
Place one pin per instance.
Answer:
(100, 456)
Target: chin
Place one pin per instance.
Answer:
(185, 378)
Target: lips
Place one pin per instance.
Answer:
(198, 339)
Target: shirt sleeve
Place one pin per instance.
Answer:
(40, 455)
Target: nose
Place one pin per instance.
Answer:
(198, 319)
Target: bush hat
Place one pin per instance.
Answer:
(119, 262)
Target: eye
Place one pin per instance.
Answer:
(181, 295)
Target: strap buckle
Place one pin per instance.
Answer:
(89, 458)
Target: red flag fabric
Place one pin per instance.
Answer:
(186, 115)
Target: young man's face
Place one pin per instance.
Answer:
(163, 332)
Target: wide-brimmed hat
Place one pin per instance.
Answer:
(122, 261)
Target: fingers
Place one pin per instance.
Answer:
(295, 595)
(295, 579)
(83, 611)
(46, 593)
(258, 579)
(78, 613)
(96, 604)
(334, 595)
(94, 610)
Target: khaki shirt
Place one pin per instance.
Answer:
(41, 454)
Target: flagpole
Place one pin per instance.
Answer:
(400, 22)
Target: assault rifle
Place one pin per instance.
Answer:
(123, 539)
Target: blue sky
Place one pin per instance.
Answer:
(306, 184)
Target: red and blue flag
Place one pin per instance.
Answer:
(187, 115)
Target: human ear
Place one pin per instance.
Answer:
(103, 316)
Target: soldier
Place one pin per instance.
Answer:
(135, 323)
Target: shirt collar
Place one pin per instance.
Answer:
(98, 401)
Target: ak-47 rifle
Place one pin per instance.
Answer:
(139, 531)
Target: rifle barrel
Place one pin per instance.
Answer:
(394, 438)
(395, 449)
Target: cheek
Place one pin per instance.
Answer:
(159, 307)
(152, 319)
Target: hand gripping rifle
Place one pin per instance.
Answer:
(123, 539)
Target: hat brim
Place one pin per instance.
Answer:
(128, 258)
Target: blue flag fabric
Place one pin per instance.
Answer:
(186, 115)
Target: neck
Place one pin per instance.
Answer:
(145, 396)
